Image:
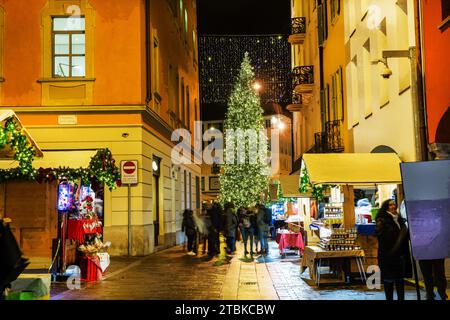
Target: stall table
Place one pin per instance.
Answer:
(313, 256)
(77, 228)
(290, 239)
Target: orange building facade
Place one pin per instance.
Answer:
(436, 48)
(88, 74)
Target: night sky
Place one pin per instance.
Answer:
(243, 16)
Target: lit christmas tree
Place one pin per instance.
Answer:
(244, 175)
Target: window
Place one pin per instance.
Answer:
(183, 103)
(181, 13)
(194, 45)
(335, 9)
(188, 107)
(69, 47)
(190, 190)
(186, 25)
(197, 191)
(445, 9)
(445, 14)
(203, 183)
(367, 67)
(156, 62)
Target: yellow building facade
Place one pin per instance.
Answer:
(380, 92)
(88, 74)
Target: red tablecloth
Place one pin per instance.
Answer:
(90, 269)
(76, 229)
(287, 240)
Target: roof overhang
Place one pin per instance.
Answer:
(7, 152)
(360, 169)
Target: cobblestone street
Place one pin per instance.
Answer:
(173, 275)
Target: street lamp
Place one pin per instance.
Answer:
(257, 86)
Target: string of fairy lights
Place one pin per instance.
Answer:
(220, 58)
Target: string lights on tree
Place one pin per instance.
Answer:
(243, 183)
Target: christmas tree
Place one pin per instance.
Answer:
(244, 174)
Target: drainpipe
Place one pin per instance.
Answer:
(420, 65)
(148, 44)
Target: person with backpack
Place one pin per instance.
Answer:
(247, 228)
(263, 220)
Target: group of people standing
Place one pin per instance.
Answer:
(252, 223)
(205, 227)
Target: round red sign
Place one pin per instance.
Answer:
(129, 167)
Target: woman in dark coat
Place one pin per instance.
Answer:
(393, 250)
(190, 229)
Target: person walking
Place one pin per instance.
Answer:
(393, 250)
(190, 230)
(247, 228)
(231, 223)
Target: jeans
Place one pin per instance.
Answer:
(433, 272)
(262, 235)
(246, 234)
(231, 244)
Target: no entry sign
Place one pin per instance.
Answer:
(129, 171)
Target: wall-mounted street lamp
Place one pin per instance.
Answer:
(419, 112)
(387, 72)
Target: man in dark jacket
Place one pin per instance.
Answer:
(394, 257)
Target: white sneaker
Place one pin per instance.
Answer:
(191, 253)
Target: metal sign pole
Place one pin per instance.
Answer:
(129, 219)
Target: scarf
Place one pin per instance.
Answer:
(395, 217)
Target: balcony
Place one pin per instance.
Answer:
(302, 78)
(329, 141)
(298, 30)
(299, 102)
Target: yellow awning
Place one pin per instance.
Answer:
(290, 185)
(353, 168)
(8, 153)
(55, 159)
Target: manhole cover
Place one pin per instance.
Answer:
(248, 283)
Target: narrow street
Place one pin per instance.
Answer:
(173, 275)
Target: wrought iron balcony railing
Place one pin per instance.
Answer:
(298, 25)
(302, 75)
(335, 143)
(330, 140)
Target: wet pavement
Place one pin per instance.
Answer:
(173, 275)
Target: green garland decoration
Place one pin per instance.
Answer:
(12, 135)
(101, 169)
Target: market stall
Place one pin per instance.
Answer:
(342, 215)
(290, 215)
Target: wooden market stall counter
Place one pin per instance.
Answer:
(313, 257)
